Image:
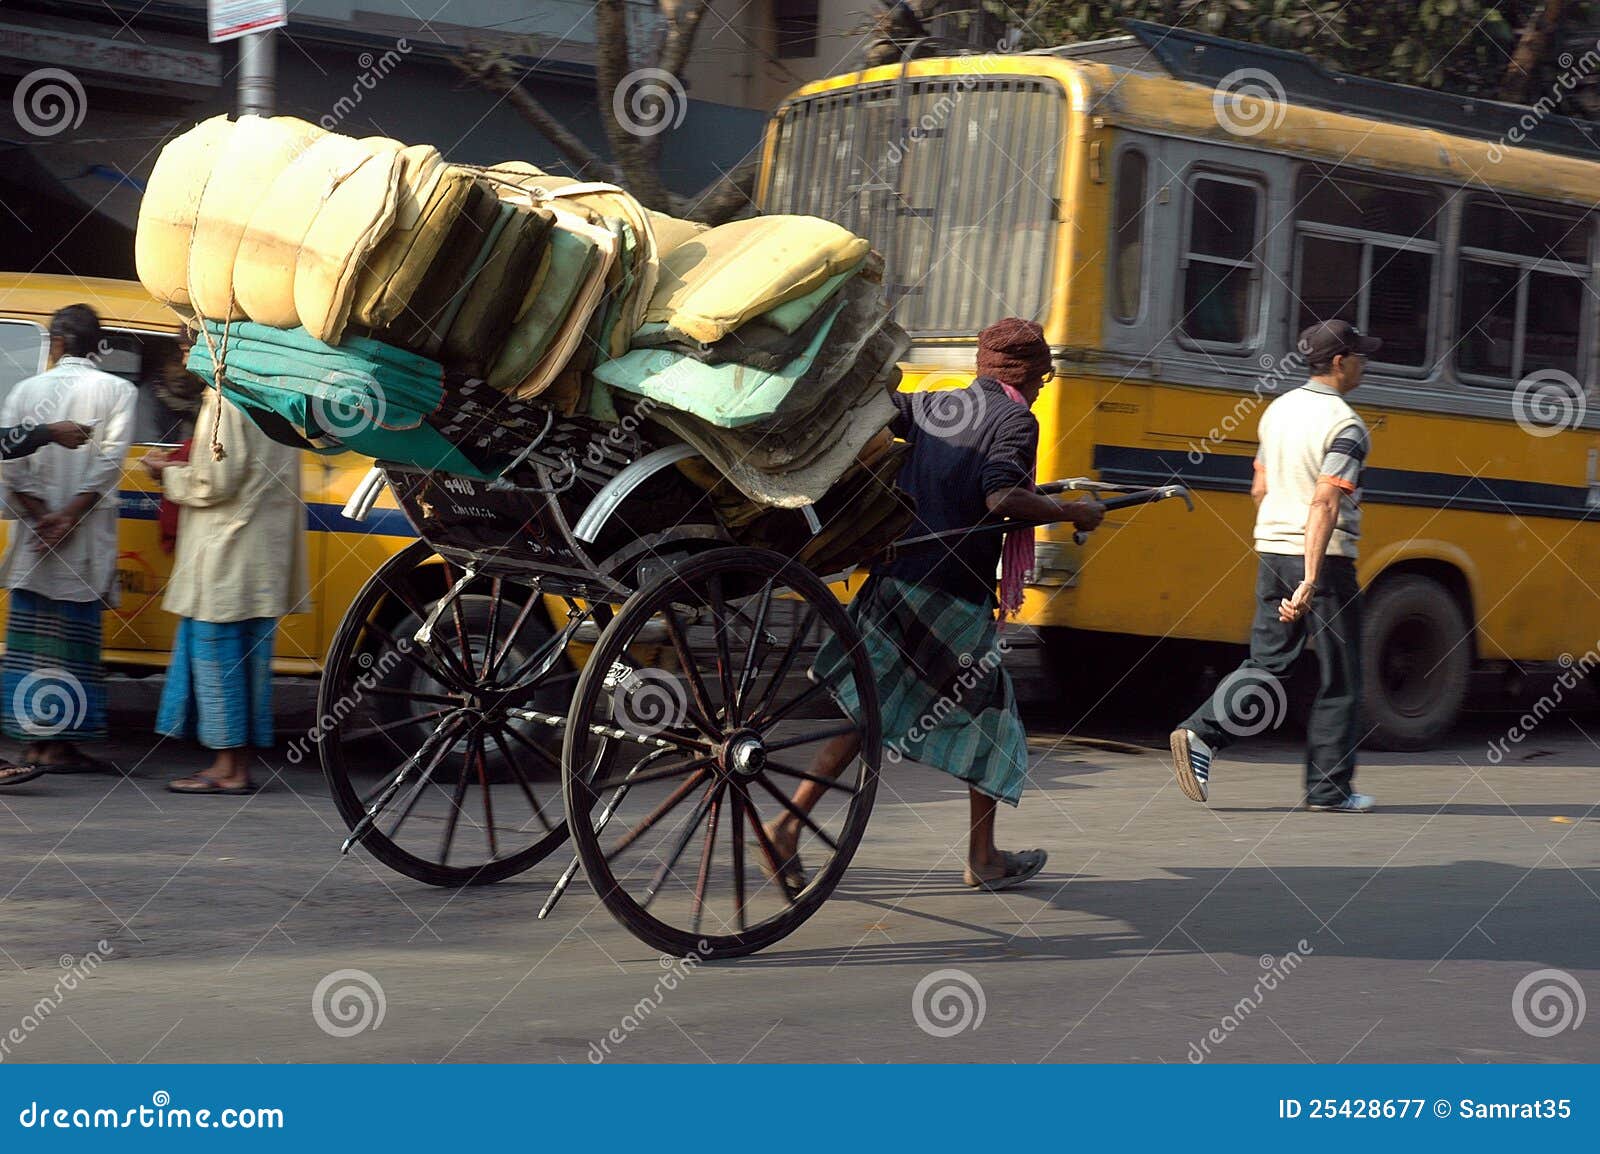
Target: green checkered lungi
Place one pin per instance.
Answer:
(944, 696)
(52, 684)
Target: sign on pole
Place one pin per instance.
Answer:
(231, 19)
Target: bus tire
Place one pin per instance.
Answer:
(1416, 660)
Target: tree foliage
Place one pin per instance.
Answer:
(635, 68)
(1500, 49)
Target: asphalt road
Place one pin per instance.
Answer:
(1161, 931)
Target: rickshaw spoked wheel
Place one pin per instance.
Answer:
(703, 753)
(469, 793)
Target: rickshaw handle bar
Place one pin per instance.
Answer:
(1122, 500)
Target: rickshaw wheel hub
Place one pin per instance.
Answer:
(744, 753)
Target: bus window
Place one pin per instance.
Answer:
(22, 345)
(1552, 334)
(153, 364)
(1219, 289)
(976, 191)
(1488, 319)
(1127, 239)
(1522, 279)
(1366, 255)
(1499, 227)
(1330, 281)
(1365, 206)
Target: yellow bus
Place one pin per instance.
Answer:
(142, 342)
(1174, 209)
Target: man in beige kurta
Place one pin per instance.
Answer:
(240, 565)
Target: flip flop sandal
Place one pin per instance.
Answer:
(17, 774)
(1020, 867)
(206, 785)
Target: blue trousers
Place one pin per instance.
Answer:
(219, 685)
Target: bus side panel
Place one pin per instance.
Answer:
(1155, 570)
(1441, 490)
(352, 551)
(300, 635)
(139, 624)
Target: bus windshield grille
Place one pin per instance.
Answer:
(953, 179)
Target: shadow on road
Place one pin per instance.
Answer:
(1573, 811)
(1463, 911)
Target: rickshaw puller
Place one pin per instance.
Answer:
(928, 618)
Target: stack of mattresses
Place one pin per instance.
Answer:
(364, 395)
(362, 294)
(768, 346)
(278, 222)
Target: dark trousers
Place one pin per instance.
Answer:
(1253, 699)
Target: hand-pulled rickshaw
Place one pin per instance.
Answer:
(580, 647)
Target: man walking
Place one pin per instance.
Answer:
(927, 620)
(60, 563)
(1308, 523)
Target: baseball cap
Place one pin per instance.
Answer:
(1323, 341)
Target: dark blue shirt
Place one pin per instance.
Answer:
(21, 440)
(965, 444)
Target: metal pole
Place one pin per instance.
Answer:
(257, 91)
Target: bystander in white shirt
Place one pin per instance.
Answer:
(83, 567)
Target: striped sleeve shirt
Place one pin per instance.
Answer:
(1309, 435)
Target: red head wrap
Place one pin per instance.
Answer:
(1013, 351)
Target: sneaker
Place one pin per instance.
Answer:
(1355, 803)
(1191, 764)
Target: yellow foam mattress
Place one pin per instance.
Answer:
(337, 246)
(713, 283)
(672, 232)
(429, 203)
(263, 272)
(257, 150)
(565, 340)
(171, 202)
